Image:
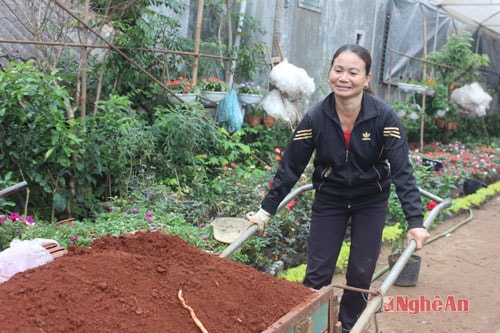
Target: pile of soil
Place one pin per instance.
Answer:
(131, 284)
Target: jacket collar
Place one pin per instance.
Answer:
(370, 107)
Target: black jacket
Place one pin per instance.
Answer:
(356, 176)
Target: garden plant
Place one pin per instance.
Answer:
(136, 162)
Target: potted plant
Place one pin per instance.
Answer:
(256, 115)
(456, 64)
(410, 85)
(184, 89)
(402, 109)
(409, 274)
(250, 93)
(213, 89)
(269, 121)
(417, 86)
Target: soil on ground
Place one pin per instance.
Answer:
(132, 284)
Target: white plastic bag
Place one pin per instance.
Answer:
(472, 100)
(280, 107)
(23, 255)
(292, 81)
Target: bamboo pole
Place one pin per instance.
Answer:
(421, 60)
(422, 117)
(84, 61)
(36, 42)
(130, 60)
(390, 78)
(197, 38)
(229, 41)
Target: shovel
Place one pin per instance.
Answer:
(253, 228)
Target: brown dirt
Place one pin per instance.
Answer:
(465, 265)
(131, 284)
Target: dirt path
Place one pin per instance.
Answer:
(461, 269)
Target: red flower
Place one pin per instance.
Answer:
(431, 205)
(271, 183)
(290, 205)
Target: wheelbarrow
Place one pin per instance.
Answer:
(318, 314)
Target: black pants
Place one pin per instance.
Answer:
(329, 222)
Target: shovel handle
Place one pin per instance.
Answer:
(238, 242)
(253, 228)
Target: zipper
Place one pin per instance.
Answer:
(348, 175)
(378, 173)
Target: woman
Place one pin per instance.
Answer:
(359, 148)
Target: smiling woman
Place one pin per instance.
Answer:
(351, 178)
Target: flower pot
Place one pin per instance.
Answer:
(452, 126)
(269, 121)
(187, 98)
(68, 222)
(441, 123)
(401, 113)
(408, 87)
(254, 120)
(214, 96)
(249, 99)
(409, 275)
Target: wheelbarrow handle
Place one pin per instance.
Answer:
(13, 189)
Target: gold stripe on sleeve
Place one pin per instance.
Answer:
(303, 134)
(392, 131)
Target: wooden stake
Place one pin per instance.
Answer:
(422, 119)
(197, 38)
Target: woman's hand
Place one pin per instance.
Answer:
(420, 235)
(260, 218)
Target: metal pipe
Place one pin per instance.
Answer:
(253, 228)
(430, 195)
(13, 189)
(293, 194)
(375, 303)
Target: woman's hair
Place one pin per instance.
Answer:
(361, 52)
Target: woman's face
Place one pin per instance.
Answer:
(348, 75)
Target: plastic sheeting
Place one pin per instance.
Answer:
(483, 18)
(406, 37)
(23, 255)
(476, 13)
